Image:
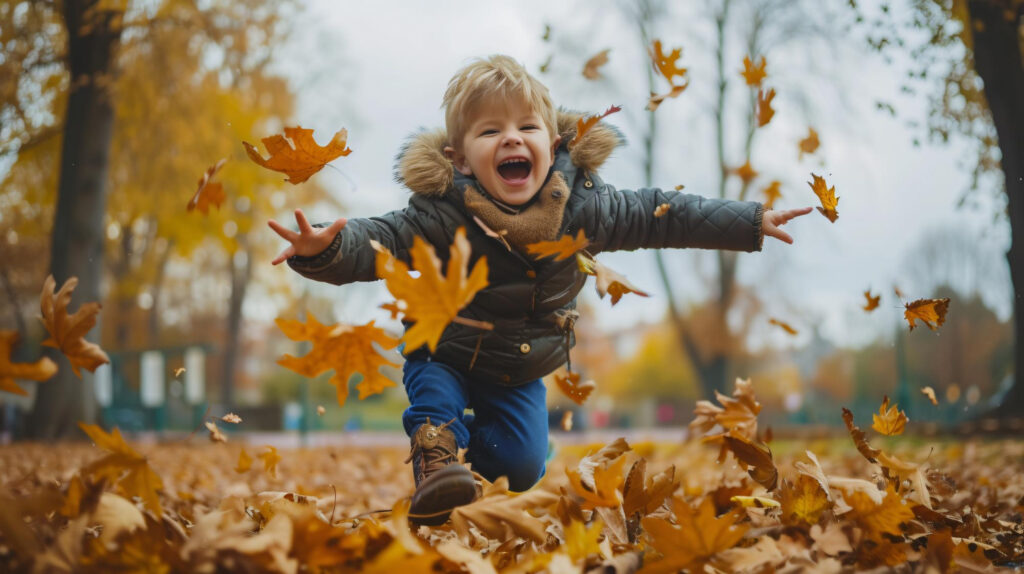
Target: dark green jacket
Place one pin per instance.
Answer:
(531, 302)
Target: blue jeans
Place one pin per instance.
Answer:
(506, 436)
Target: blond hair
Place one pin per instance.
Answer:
(494, 77)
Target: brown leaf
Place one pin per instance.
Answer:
(231, 418)
(296, 154)
(209, 191)
(889, 421)
(810, 143)
(602, 489)
(753, 74)
(499, 516)
(124, 467)
(757, 456)
(643, 495)
(571, 387)
(67, 332)
(785, 326)
(698, 537)
(764, 107)
(608, 281)
(771, 194)
(656, 99)
(591, 68)
(41, 370)
(860, 440)
(583, 125)
(928, 311)
(215, 434)
(872, 302)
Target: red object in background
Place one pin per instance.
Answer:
(599, 419)
(665, 413)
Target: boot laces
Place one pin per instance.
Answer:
(431, 459)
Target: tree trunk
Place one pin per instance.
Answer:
(77, 239)
(158, 290)
(997, 59)
(239, 281)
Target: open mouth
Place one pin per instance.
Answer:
(515, 170)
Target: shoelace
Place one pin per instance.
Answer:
(434, 458)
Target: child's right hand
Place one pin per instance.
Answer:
(309, 240)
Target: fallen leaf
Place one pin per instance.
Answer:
(209, 191)
(889, 421)
(571, 387)
(753, 74)
(41, 370)
(343, 348)
(244, 462)
(928, 311)
(803, 502)
(879, 519)
(785, 326)
(124, 467)
(231, 418)
(67, 332)
(771, 194)
(432, 301)
(698, 537)
(591, 68)
(827, 196)
(565, 247)
(296, 154)
(498, 515)
(662, 209)
(215, 434)
(755, 502)
(764, 107)
(584, 125)
(603, 490)
(930, 393)
(872, 302)
(757, 456)
(859, 438)
(810, 143)
(831, 539)
(581, 540)
(270, 459)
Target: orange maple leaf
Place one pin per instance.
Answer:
(872, 302)
(591, 68)
(209, 191)
(566, 246)
(928, 311)
(737, 415)
(604, 491)
(570, 386)
(771, 194)
(583, 125)
(296, 154)
(745, 172)
(764, 107)
(609, 281)
(67, 332)
(698, 537)
(889, 421)
(345, 349)
(785, 326)
(40, 370)
(753, 74)
(124, 467)
(810, 143)
(432, 301)
(656, 99)
(667, 65)
(828, 198)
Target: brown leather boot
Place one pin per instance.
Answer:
(441, 482)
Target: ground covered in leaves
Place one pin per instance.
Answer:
(200, 507)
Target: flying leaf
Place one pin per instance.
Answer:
(889, 421)
(296, 154)
(431, 300)
(67, 332)
(603, 490)
(591, 68)
(737, 415)
(270, 459)
(679, 187)
(764, 106)
(215, 434)
(345, 349)
(583, 125)
(209, 191)
(872, 302)
(860, 440)
(40, 370)
(771, 194)
(928, 311)
(746, 173)
(757, 456)
(320, 410)
(244, 462)
(930, 393)
(124, 467)
(656, 99)
(662, 209)
(231, 418)
(570, 386)
(609, 281)
(827, 196)
(809, 144)
(697, 538)
(179, 371)
(803, 502)
(785, 326)
(753, 74)
(566, 422)
(566, 246)
(667, 65)
(546, 65)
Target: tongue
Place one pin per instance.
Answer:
(514, 171)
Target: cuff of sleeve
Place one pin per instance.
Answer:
(319, 260)
(758, 227)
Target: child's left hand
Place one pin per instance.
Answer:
(773, 220)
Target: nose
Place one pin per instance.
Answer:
(511, 139)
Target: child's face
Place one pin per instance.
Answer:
(509, 150)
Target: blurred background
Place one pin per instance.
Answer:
(110, 111)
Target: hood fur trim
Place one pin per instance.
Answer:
(422, 167)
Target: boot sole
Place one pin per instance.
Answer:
(439, 494)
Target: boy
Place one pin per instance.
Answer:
(503, 161)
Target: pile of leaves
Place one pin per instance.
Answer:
(717, 503)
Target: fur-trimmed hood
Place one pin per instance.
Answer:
(422, 166)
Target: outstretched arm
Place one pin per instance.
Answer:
(773, 220)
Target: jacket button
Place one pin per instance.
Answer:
(588, 184)
(524, 348)
(531, 274)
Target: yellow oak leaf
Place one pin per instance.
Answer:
(930, 393)
(67, 332)
(889, 421)
(827, 196)
(40, 370)
(591, 70)
(928, 311)
(764, 107)
(656, 99)
(296, 154)
(746, 173)
(270, 459)
(571, 387)
(344, 348)
(244, 462)
(785, 326)
(583, 125)
(566, 246)
(753, 74)
(698, 537)
(124, 467)
(209, 191)
(809, 144)
(432, 301)
(872, 302)
(604, 491)
(666, 65)
(803, 502)
(771, 194)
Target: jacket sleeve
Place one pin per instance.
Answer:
(617, 220)
(350, 257)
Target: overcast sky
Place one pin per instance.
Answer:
(380, 68)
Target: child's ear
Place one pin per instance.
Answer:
(554, 146)
(458, 160)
